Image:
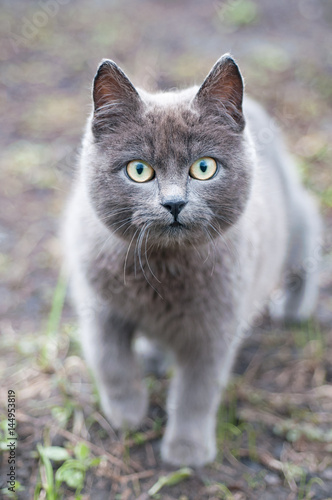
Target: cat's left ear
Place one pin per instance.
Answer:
(224, 87)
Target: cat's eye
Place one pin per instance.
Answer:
(140, 171)
(203, 169)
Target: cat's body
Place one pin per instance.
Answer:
(188, 262)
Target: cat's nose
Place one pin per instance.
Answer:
(174, 206)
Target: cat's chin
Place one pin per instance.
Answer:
(174, 235)
(177, 224)
(179, 235)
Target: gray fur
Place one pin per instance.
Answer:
(194, 289)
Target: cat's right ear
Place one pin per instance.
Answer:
(112, 86)
(114, 96)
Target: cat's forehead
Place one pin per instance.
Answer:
(168, 130)
(170, 122)
(173, 111)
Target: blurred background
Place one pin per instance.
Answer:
(49, 53)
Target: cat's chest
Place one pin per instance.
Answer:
(141, 280)
(158, 289)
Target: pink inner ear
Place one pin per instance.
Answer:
(224, 82)
(228, 92)
(111, 85)
(105, 88)
(102, 93)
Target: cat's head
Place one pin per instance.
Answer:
(171, 167)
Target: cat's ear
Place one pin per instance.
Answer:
(111, 86)
(224, 86)
(115, 99)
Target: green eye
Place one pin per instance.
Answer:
(139, 171)
(203, 169)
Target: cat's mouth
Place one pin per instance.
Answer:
(176, 224)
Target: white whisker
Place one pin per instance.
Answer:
(140, 240)
(113, 213)
(126, 258)
(231, 251)
(215, 250)
(146, 256)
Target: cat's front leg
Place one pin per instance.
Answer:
(193, 404)
(107, 343)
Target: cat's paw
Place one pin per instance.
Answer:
(127, 411)
(187, 452)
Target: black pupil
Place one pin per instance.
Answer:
(203, 166)
(139, 168)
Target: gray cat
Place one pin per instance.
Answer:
(181, 223)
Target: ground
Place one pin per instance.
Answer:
(274, 431)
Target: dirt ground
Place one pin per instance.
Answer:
(275, 425)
